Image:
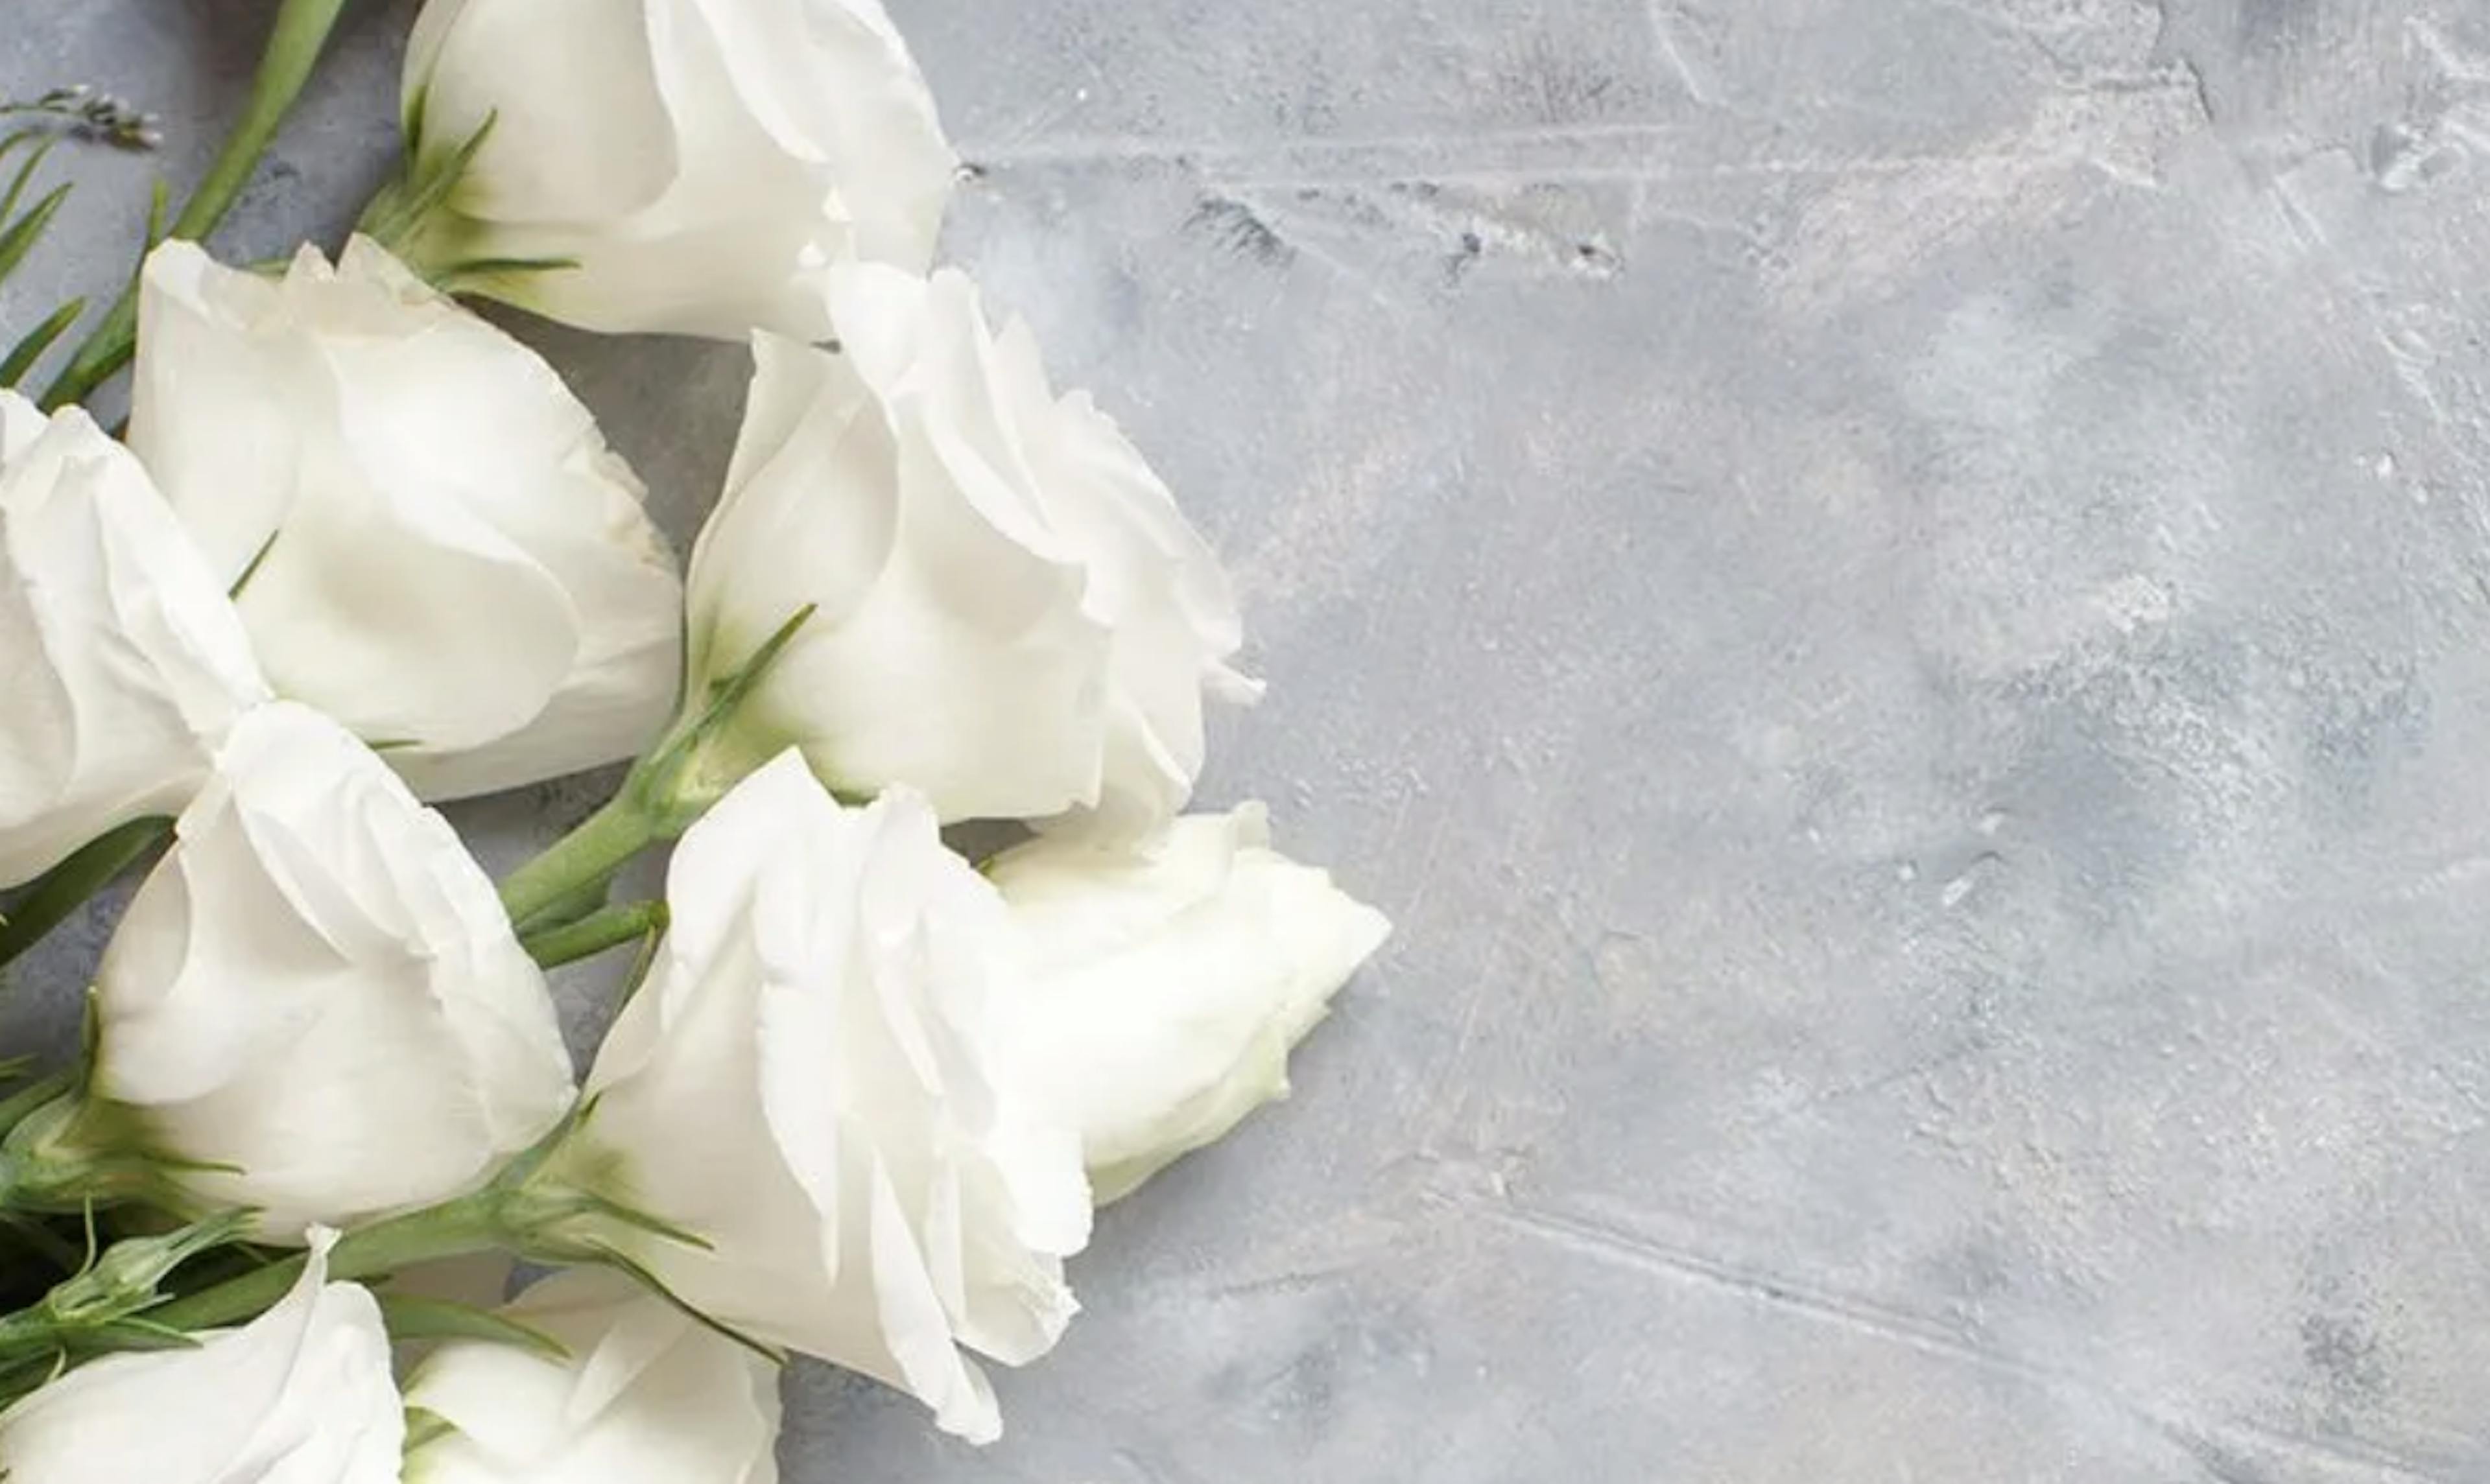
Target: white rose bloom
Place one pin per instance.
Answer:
(441, 551)
(1014, 616)
(805, 1082)
(650, 1395)
(699, 163)
(299, 1395)
(1171, 984)
(123, 661)
(318, 989)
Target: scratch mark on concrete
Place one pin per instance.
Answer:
(1664, 42)
(1881, 1324)
(1113, 149)
(1869, 1087)
(2314, 239)
(1143, 1471)
(1603, 1241)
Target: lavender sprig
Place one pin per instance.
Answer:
(106, 118)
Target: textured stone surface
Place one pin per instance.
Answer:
(1896, 594)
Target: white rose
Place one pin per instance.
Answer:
(1014, 616)
(123, 661)
(1171, 984)
(696, 163)
(441, 551)
(299, 1395)
(804, 1082)
(317, 991)
(650, 1395)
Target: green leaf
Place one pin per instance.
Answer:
(38, 1237)
(17, 190)
(410, 1318)
(20, 236)
(30, 350)
(54, 897)
(297, 36)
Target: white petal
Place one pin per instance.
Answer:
(695, 162)
(440, 549)
(648, 1396)
(123, 662)
(537, 69)
(806, 1082)
(948, 653)
(301, 1395)
(1173, 983)
(1014, 617)
(318, 987)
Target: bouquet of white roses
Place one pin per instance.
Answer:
(359, 550)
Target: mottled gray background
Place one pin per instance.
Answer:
(1894, 593)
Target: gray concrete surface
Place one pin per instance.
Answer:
(1896, 594)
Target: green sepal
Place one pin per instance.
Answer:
(251, 568)
(639, 1272)
(102, 1307)
(410, 1318)
(425, 1427)
(78, 1152)
(405, 207)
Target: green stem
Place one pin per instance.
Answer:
(294, 47)
(58, 892)
(690, 768)
(457, 1228)
(582, 860)
(596, 932)
(30, 1233)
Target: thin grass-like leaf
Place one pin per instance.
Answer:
(20, 236)
(25, 175)
(24, 140)
(30, 350)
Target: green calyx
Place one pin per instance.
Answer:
(711, 747)
(75, 1153)
(548, 1206)
(116, 1284)
(102, 1307)
(714, 746)
(416, 217)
